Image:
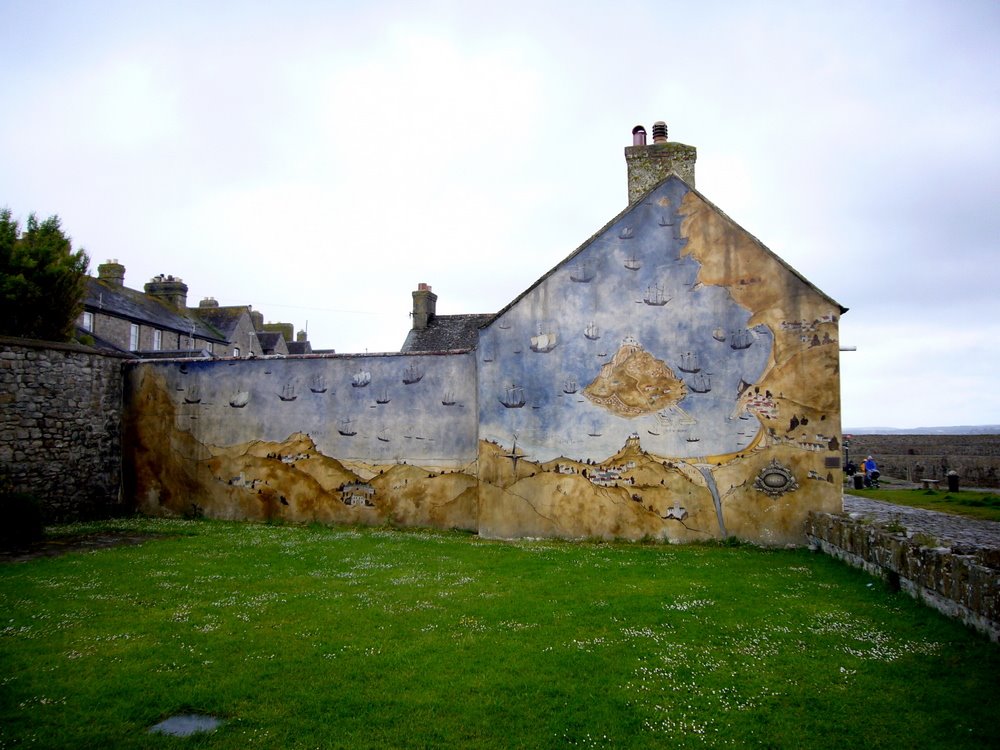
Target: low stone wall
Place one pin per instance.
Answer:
(961, 583)
(60, 427)
(976, 458)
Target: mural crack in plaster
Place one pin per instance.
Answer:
(531, 505)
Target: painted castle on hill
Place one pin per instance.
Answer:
(671, 379)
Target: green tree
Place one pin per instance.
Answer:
(42, 281)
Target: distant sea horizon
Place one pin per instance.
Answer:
(986, 429)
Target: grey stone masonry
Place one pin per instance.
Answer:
(962, 581)
(61, 426)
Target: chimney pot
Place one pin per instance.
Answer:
(638, 136)
(659, 132)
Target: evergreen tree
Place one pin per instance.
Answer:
(42, 281)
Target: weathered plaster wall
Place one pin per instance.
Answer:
(60, 431)
(338, 439)
(673, 379)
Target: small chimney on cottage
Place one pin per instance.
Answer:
(209, 302)
(170, 289)
(302, 336)
(650, 164)
(112, 272)
(257, 318)
(424, 306)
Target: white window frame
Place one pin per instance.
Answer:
(236, 352)
(157, 339)
(88, 321)
(133, 337)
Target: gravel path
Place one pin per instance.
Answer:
(947, 528)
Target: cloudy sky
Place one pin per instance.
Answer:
(319, 159)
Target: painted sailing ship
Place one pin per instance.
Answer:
(383, 397)
(592, 331)
(700, 383)
(240, 399)
(412, 374)
(595, 430)
(318, 384)
(513, 398)
(543, 342)
(346, 429)
(448, 399)
(633, 264)
(383, 435)
(288, 392)
(741, 339)
(689, 363)
(626, 234)
(719, 334)
(570, 386)
(192, 396)
(583, 273)
(361, 379)
(664, 223)
(655, 297)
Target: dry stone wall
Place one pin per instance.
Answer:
(60, 427)
(961, 583)
(976, 458)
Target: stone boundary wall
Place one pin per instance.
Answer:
(976, 458)
(61, 426)
(961, 583)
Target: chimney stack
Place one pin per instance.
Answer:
(112, 272)
(170, 289)
(424, 306)
(648, 165)
(209, 302)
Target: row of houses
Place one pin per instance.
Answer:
(157, 322)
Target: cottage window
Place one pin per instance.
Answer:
(157, 340)
(88, 321)
(236, 352)
(211, 347)
(133, 337)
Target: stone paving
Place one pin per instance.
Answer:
(949, 529)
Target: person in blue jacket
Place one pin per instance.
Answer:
(871, 471)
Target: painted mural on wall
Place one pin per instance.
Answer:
(671, 379)
(332, 439)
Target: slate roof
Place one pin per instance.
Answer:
(299, 347)
(222, 319)
(139, 307)
(446, 332)
(269, 341)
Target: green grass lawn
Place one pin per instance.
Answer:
(304, 637)
(970, 503)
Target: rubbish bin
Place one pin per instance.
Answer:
(952, 481)
(859, 481)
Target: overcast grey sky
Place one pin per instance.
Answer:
(319, 159)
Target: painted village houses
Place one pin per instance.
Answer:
(671, 378)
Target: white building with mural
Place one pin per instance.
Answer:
(671, 379)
